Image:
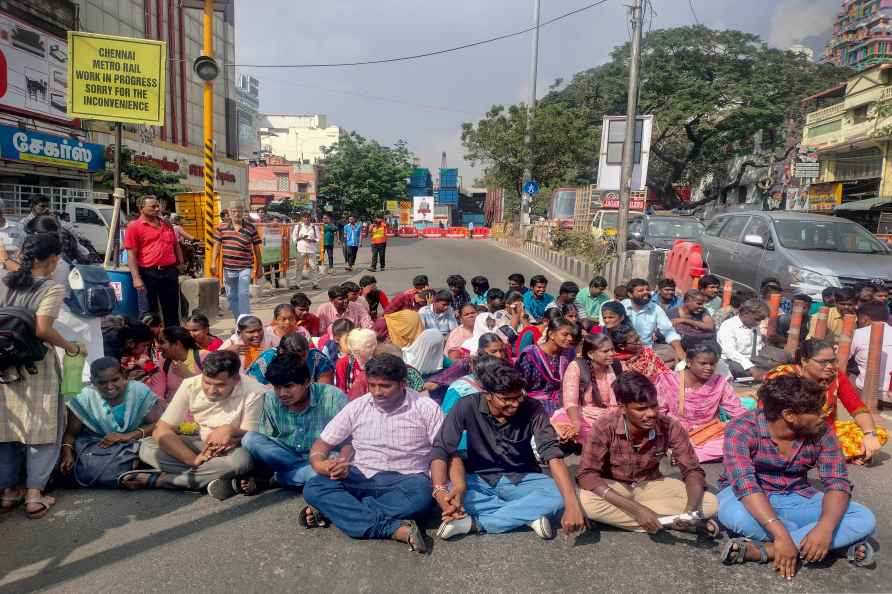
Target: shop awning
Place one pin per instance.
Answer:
(861, 205)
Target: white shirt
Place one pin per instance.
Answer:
(306, 246)
(242, 408)
(736, 341)
(860, 344)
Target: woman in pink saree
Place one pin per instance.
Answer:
(696, 396)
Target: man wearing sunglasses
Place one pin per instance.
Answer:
(499, 486)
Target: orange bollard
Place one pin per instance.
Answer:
(821, 323)
(727, 290)
(844, 346)
(870, 393)
(795, 327)
(773, 308)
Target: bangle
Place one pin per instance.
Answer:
(874, 433)
(68, 445)
(439, 490)
(774, 519)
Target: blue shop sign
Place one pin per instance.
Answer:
(30, 146)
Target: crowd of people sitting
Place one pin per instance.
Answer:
(377, 407)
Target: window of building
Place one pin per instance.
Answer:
(303, 187)
(859, 114)
(281, 182)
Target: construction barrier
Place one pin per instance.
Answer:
(480, 233)
(433, 233)
(684, 264)
(456, 233)
(409, 232)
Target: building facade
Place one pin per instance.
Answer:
(851, 134)
(299, 138)
(862, 34)
(248, 118)
(274, 179)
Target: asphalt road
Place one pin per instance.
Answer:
(103, 541)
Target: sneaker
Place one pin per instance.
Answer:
(542, 528)
(221, 489)
(455, 528)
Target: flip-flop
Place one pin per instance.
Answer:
(153, 478)
(708, 528)
(44, 501)
(732, 557)
(254, 487)
(318, 520)
(416, 537)
(867, 560)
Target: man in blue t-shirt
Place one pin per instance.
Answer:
(352, 241)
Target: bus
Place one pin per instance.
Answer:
(562, 206)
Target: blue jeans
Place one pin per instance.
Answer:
(238, 289)
(799, 514)
(508, 506)
(370, 507)
(288, 468)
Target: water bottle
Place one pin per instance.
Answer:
(73, 373)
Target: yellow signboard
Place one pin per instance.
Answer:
(825, 196)
(393, 205)
(118, 79)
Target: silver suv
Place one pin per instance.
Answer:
(805, 252)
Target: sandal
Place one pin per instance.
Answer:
(708, 528)
(738, 555)
(152, 473)
(253, 487)
(416, 537)
(44, 501)
(9, 503)
(310, 517)
(868, 551)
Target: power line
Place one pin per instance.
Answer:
(693, 12)
(425, 54)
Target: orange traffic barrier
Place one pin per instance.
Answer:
(480, 233)
(456, 233)
(821, 323)
(795, 327)
(406, 231)
(684, 263)
(872, 380)
(433, 233)
(844, 343)
(727, 291)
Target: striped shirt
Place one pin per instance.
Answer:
(396, 441)
(237, 245)
(298, 430)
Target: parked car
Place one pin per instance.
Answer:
(806, 253)
(653, 232)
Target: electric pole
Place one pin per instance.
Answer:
(526, 199)
(628, 167)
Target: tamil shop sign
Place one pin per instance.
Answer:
(48, 149)
(825, 196)
(33, 70)
(611, 200)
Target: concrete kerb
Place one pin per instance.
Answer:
(560, 266)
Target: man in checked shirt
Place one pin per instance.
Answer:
(766, 496)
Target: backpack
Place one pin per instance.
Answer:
(20, 348)
(91, 292)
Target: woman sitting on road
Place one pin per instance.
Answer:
(587, 389)
(490, 344)
(296, 344)
(105, 423)
(199, 327)
(696, 396)
(532, 332)
(180, 359)
(461, 333)
(632, 354)
(248, 341)
(543, 365)
(426, 353)
(613, 315)
(284, 323)
(350, 370)
(818, 362)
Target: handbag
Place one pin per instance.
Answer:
(704, 433)
(100, 467)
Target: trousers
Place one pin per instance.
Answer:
(665, 497)
(238, 290)
(350, 254)
(329, 253)
(799, 514)
(288, 468)
(379, 252)
(506, 506)
(194, 478)
(370, 507)
(40, 459)
(162, 293)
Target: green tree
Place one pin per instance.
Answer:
(562, 149)
(358, 175)
(710, 92)
(143, 178)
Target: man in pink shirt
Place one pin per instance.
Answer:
(387, 483)
(338, 307)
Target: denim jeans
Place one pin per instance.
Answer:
(799, 514)
(288, 468)
(370, 507)
(507, 506)
(238, 289)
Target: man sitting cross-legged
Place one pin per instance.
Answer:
(619, 473)
(766, 496)
(392, 430)
(295, 412)
(225, 405)
(503, 488)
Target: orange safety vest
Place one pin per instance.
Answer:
(379, 234)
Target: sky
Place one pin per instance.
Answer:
(425, 101)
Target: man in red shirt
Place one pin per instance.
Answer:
(301, 304)
(155, 260)
(415, 298)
